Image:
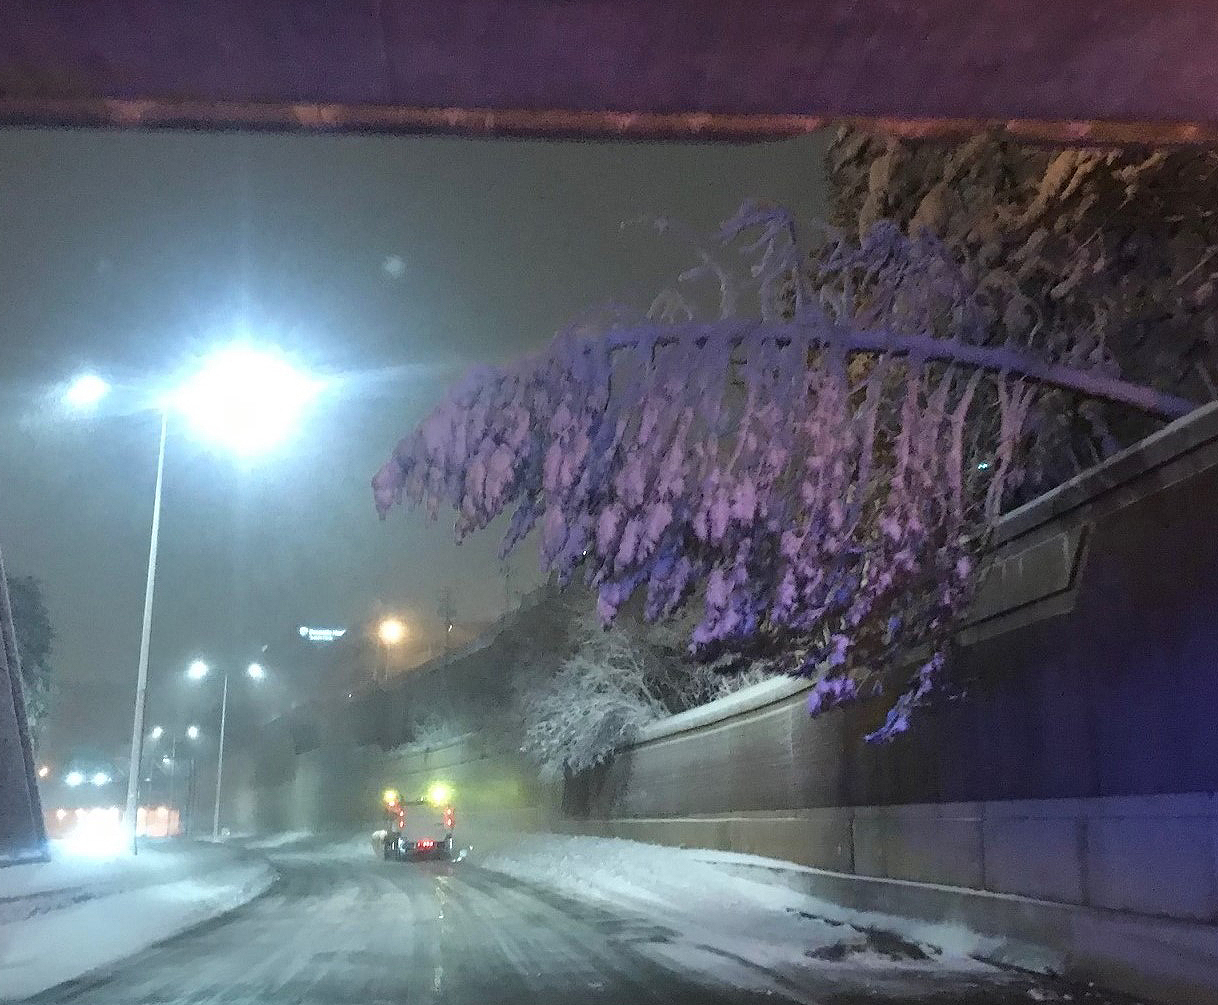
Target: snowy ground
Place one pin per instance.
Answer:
(62, 918)
(762, 936)
(550, 921)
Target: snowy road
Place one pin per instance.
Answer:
(353, 930)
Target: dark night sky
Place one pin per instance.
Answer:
(131, 253)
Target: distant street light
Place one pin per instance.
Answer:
(43, 771)
(240, 397)
(100, 778)
(156, 732)
(85, 392)
(255, 671)
(192, 732)
(391, 631)
(74, 778)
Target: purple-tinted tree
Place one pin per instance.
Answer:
(818, 464)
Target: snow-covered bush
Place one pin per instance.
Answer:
(431, 729)
(597, 703)
(615, 683)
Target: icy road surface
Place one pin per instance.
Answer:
(341, 927)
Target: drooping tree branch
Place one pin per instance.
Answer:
(821, 478)
(1089, 383)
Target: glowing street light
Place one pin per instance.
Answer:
(240, 397)
(100, 778)
(192, 732)
(43, 771)
(74, 778)
(156, 733)
(255, 671)
(85, 392)
(391, 631)
(246, 399)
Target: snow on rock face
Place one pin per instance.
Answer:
(741, 932)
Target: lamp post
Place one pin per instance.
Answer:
(197, 671)
(246, 399)
(191, 733)
(390, 632)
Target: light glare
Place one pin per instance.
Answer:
(192, 732)
(246, 400)
(74, 778)
(391, 631)
(439, 794)
(256, 671)
(85, 391)
(100, 778)
(156, 732)
(197, 670)
(97, 833)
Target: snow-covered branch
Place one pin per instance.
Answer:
(820, 477)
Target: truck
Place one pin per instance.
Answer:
(418, 829)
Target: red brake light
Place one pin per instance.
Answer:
(425, 843)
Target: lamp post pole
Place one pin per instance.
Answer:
(215, 817)
(141, 681)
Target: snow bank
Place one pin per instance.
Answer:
(267, 842)
(742, 932)
(63, 918)
(67, 873)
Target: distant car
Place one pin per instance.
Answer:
(419, 829)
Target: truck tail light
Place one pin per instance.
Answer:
(449, 817)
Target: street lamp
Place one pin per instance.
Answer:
(391, 632)
(240, 397)
(170, 761)
(197, 671)
(85, 392)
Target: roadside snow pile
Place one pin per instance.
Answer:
(742, 932)
(266, 842)
(63, 918)
(38, 887)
